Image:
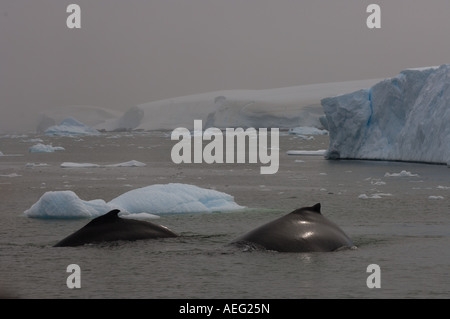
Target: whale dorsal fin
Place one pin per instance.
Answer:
(113, 214)
(316, 208)
(108, 217)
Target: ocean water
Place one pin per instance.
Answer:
(400, 223)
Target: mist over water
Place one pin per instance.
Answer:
(126, 54)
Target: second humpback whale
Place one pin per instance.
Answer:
(303, 230)
(110, 227)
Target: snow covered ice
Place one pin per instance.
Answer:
(281, 107)
(402, 118)
(155, 199)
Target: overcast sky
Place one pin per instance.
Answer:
(136, 51)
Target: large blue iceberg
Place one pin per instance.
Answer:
(404, 118)
(158, 199)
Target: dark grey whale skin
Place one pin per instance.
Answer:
(111, 227)
(303, 230)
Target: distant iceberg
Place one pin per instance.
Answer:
(87, 114)
(71, 126)
(404, 118)
(281, 107)
(42, 148)
(154, 199)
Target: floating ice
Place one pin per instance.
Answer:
(403, 118)
(11, 175)
(174, 198)
(374, 196)
(132, 163)
(1, 154)
(435, 197)
(401, 174)
(42, 148)
(313, 153)
(34, 140)
(307, 130)
(153, 199)
(66, 204)
(71, 126)
(78, 165)
(36, 165)
(305, 137)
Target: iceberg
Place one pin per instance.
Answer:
(174, 198)
(280, 107)
(154, 199)
(42, 148)
(404, 118)
(66, 204)
(70, 126)
(87, 114)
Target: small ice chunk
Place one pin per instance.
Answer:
(132, 163)
(307, 130)
(313, 153)
(401, 174)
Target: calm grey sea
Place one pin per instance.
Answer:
(401, 223)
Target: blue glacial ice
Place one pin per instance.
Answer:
(71, 126)
(404, 118)
(173, 198)
(43, 148)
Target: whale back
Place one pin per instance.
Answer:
(111, 227)
(303, 230)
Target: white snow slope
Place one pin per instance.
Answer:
(282, 107)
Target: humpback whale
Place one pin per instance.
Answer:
(110, 227)
(303, 230)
